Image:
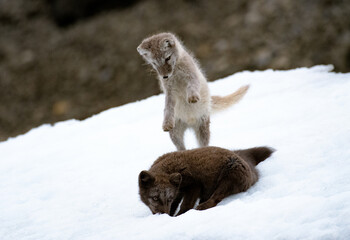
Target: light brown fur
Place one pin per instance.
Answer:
(208, 173)
(188, 103)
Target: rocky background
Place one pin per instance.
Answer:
(63, 59)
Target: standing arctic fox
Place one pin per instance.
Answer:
(187, 99)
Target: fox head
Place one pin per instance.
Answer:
(161, 51)
(159, 191)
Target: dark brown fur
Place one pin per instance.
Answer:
(208, 173)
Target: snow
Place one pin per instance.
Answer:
(78, 179)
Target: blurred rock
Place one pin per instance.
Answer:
(60, 108)
(66, 12)
(49, 73)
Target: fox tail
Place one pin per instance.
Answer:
(255, 155)
(219, 103)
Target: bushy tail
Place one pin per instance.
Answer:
(255, 155)
(219, 103)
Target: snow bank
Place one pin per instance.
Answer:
(78, 180)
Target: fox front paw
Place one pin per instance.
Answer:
(168, 125)
(193, 99)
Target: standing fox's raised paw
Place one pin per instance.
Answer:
(168, 125)
(193, 99)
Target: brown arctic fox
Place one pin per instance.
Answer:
(187, 99)
(208, 173)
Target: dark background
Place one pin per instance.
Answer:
(62, 59)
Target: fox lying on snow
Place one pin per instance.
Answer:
(209, 173)
(188, 103)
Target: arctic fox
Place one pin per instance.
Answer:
(208, 173)
(188, 103)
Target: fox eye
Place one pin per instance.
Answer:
(168, 58)
(155, 199)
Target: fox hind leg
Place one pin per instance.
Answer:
(202, 131)
(225, 187)
(177, 134)
(212, 201)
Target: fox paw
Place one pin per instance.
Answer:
(193, 99)
(205, 205)
(201, 207)
(168, 125)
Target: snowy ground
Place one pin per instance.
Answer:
(78, 180)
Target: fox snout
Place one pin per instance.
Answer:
(165, 75)
(164, 209)
(161, 210)
(165, 71)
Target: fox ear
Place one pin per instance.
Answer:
(175, 179)
(168, 43)
(145, 179)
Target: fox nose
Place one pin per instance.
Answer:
(165, 77)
